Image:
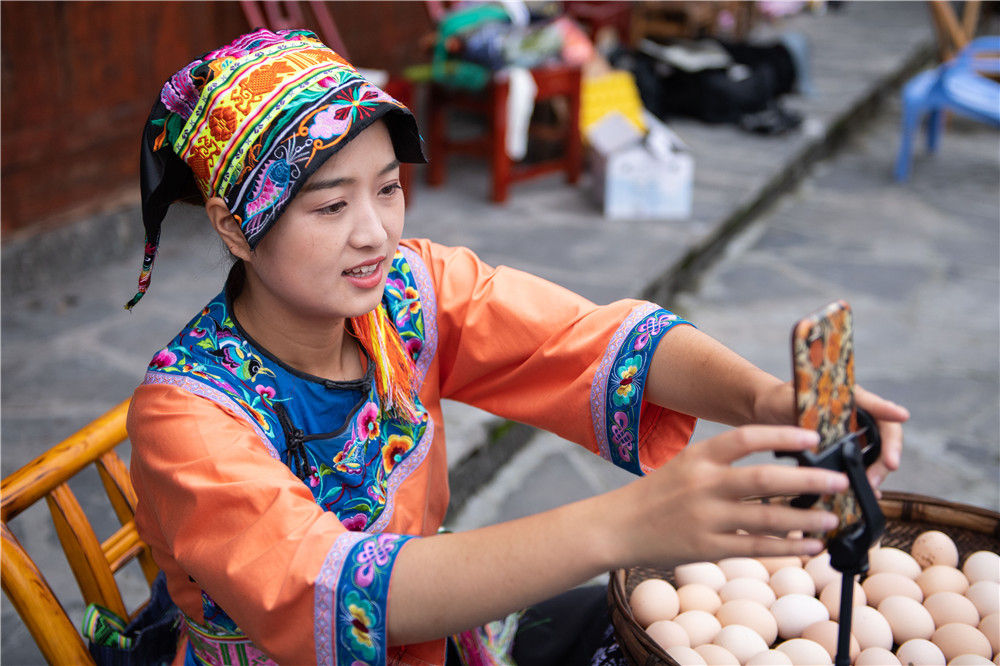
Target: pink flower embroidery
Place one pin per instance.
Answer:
(326, 124)
(265, 392)
(163, 359)
(355, 523)
(368, 420)
(413, 347)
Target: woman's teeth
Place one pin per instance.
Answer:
(363, 271)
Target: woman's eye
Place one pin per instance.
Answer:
(389, 190)
(333, 208)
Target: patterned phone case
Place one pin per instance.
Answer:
(823, 371)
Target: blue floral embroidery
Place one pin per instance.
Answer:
(362, 593)
(625, 378)
(625, 385)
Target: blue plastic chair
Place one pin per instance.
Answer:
(957, 86)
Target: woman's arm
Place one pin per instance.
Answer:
(695, 374)
(688, 510)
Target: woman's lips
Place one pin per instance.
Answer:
(366, 275)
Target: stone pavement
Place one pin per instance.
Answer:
(69, 351)
(919, 265)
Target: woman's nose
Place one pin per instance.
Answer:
(369, 228)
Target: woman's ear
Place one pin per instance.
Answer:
(225, 225)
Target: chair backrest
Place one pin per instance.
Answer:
(93, 563)
(289, 14)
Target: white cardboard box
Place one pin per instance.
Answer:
(640, 177)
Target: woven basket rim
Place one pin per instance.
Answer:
(897, 505)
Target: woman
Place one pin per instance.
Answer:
(288, 450)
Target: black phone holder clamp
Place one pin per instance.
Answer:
(848, 547)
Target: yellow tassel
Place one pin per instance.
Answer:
(395, 374)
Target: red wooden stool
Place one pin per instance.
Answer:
(551, 81)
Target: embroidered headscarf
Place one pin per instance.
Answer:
(250, 123)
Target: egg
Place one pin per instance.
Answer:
(870, 628)
(946, 607)
(743, 642)
(654, 599)
(792, 580)
(751, 614)
(876, 656)
(920, 652)
(939, 578)
(830, 597)
(701, 627)
(985, 595)
(773, 564)
(886, 584)
(934, 547)
(907, 619)
(990, 626)
(747, 588)
(795, 612)
(982, 565)
(685, 656)
(668, 633)
(893, 560)
(956, 638)
(970, 660)
(825, 633)
(704, 573)
(770, 658)
(743, 567)
(804, 651)
(716, 655)
(696, 596)
(821, 571)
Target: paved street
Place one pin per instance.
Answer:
(919, 265)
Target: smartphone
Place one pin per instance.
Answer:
(823, 377)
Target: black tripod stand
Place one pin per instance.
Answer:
(848, 549)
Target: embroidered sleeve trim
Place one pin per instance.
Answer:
(428, 302)
(400, 473)
(215, 395)
(351, 595)
(616, 394)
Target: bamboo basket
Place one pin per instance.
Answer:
(907, 516)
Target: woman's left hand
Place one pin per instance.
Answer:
(889, 416)
(776, 405)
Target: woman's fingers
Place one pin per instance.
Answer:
(880, 408)
(753, 545)
(889, 417)
(768, 480)
(770, 519)
(735, 444)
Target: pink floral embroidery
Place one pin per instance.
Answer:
(164, 359)
(368, 420)
(355, 523)
(326, 124)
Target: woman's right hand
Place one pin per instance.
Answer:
(692, 508)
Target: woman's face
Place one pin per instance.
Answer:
(328, 254)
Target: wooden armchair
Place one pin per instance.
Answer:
(93, 563)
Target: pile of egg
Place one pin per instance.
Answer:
(911, 608)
